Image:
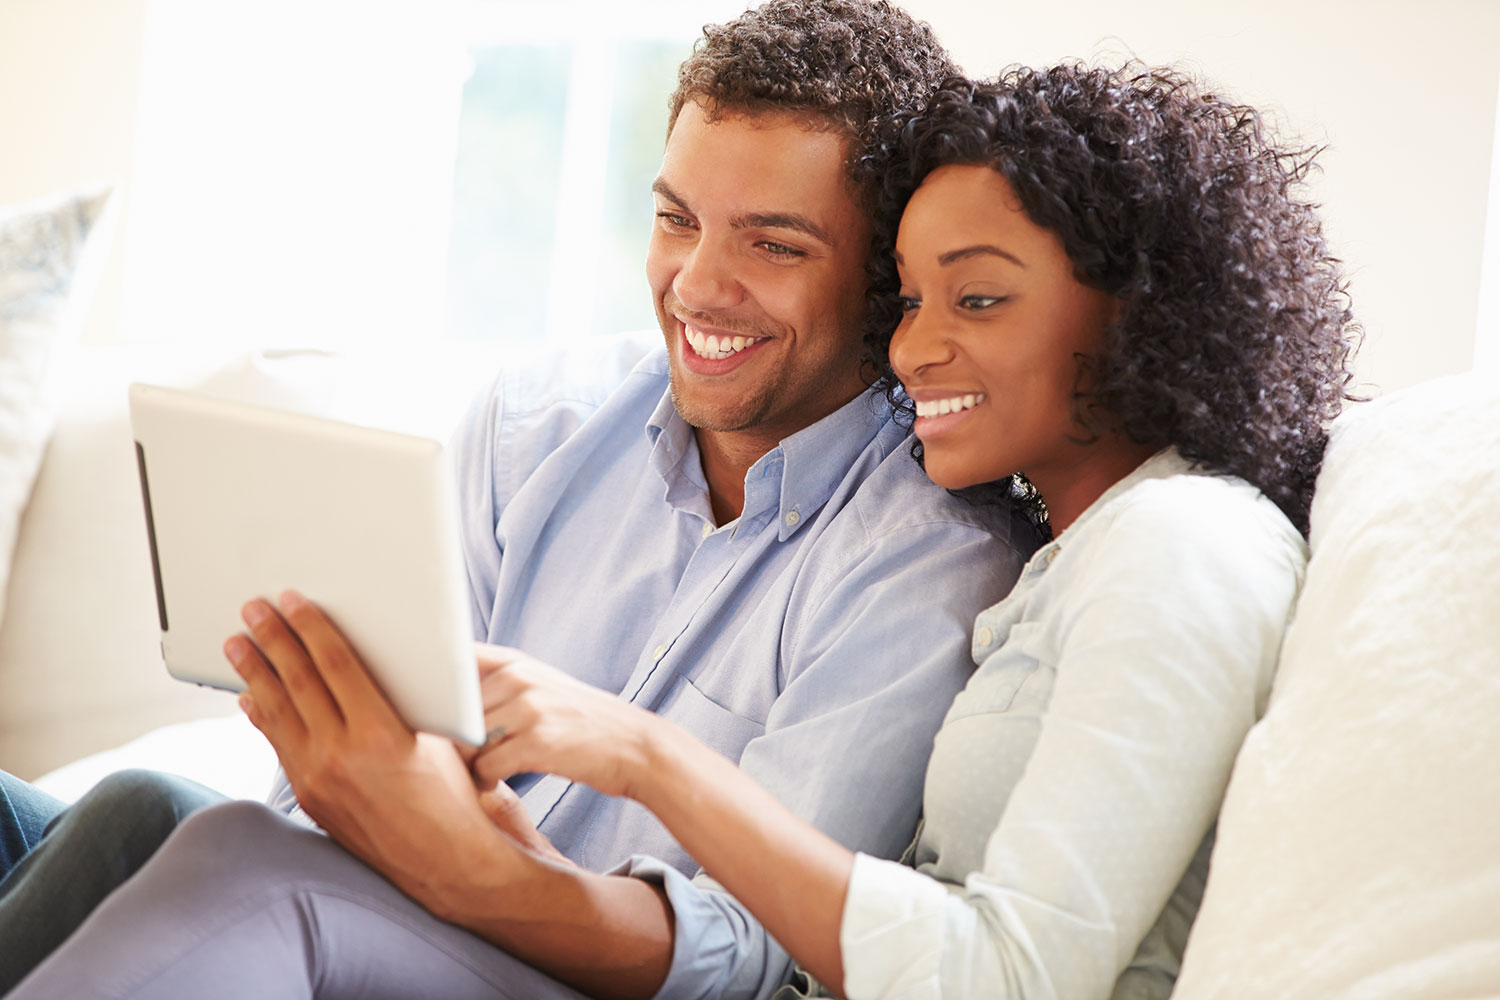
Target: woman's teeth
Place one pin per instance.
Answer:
(717, 348)
(953, 404)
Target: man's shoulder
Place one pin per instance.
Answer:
(581, 375)
(896, 498)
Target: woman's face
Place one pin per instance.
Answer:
(992, 329)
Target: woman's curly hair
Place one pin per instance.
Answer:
(1236, 335)
(844, 64)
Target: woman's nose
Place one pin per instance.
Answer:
(920, 341)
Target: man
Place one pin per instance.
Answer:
(735, 538)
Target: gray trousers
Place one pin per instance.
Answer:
(241, 902)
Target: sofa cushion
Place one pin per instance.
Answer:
(41, 247)
(1357, 854)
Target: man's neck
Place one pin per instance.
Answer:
(727, 457)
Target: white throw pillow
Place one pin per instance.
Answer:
(1358, 854)
(41, 246)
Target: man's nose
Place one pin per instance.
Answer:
(707, 281)
(921, 341)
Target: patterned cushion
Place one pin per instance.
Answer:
(41, 244)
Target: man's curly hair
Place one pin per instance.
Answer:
(842, 64)
(1236, 334)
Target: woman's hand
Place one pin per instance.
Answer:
(540, 719)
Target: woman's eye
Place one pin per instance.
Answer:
(908, 303)
(975, 303)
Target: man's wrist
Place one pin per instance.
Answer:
(497, 877)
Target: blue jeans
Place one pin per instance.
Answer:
(25, 811)
(61, 861)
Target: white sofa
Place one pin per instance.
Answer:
(1359, 845)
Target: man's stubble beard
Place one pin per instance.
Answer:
(745, 415)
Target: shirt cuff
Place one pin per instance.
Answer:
(704, 945)
(891, 932)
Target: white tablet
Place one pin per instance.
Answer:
(243, 501)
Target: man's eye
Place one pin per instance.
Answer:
(975, 303)
(780, 249)
(674, 220)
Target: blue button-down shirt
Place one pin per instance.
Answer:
(817, 639)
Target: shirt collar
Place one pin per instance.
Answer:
(816, 459)
(791, 481)
(672, 445)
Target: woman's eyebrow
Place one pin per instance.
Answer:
(978, 250)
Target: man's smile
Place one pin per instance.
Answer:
(716, 347)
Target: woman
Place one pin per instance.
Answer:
(1116, 311)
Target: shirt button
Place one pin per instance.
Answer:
(708, 529)
(984, 636)
(792, 517)
(658, 653)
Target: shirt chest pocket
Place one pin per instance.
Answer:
(1017, 676)
(711, 723)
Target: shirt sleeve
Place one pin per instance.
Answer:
(1167, 626)
(875, 657)
(481, 498)
(522, 416)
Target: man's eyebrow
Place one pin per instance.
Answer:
(978, 250)
(794, 221)
(664, 189)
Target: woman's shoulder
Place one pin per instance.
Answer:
(1185, 502)
(1175, 526)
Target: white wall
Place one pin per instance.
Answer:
(1487, 335)
(1404, 95)
(69, 86)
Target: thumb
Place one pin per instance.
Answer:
(504, 809)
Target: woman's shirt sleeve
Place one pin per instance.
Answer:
(1160, 621)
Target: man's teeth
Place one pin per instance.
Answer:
(953, 404)
(716, 348)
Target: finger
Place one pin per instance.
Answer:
(495, 762)
(505, 679)
(287, 656)
(347, 678)
(491, 658)
(504, 809)
(264, 700)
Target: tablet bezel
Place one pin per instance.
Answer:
(245, 501)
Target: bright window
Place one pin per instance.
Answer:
(563, 123)
(341, 173)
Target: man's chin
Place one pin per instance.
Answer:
(719, 416)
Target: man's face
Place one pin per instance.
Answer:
(756, 264)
